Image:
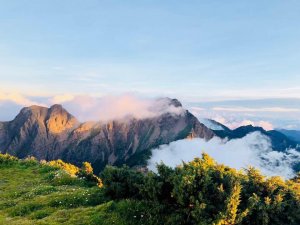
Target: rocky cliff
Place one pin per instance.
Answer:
(52, 133)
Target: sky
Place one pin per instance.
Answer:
(234, 61)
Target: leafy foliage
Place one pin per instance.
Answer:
(199, 192)
(204, 192)
(6, 159)
(69, 168)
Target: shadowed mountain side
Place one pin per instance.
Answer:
(280, 141)
(292, 134)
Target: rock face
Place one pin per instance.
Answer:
(37, 131)
(53, 133)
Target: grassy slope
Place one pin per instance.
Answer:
(30, 195)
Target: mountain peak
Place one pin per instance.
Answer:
(31, 108)
(172, 102)
(56, 107)
(32, 113)
(58, 119)
(175, 102)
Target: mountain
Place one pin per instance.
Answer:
(279, 140)
(213, 125)
(53, 133)
(292, 134)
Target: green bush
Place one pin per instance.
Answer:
(122, 182)
(45, 168)
(86, 173)
(61, 177)
(207, 193)
(6, 159)
(199, 192)
(29, 162)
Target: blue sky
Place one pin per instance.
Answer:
(196, 51)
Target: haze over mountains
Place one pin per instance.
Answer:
(53, 133)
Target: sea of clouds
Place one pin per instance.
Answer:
(253, 150)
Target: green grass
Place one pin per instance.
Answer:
(31, 193)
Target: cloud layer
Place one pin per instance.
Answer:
(87, 108)
(252, 150)
(267, 113)
(91, 108)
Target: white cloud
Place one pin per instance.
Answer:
(17, 99)
(109, 107)
(252, 150)
(238, 123)
(244, 109)
(59, 99)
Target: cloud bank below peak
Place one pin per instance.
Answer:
(252, 150)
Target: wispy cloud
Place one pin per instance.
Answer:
(18, 99)
(111, 107)
(267, 113)
(244, 109)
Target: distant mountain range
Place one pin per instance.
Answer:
(291, 134)
(280, 139)
(52, 133)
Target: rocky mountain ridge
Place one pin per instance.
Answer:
(279, 140)
(52, 133)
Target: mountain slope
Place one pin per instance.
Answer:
(292, 134)
(213, 125)
(52, 133)
(39, 194)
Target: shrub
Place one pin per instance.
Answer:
(46, 169)
(6, 159)
(122, 182)
(29, 161)
(86, 172)
(61, 177)
(204, 192)
(69, 168)
(87, 167)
